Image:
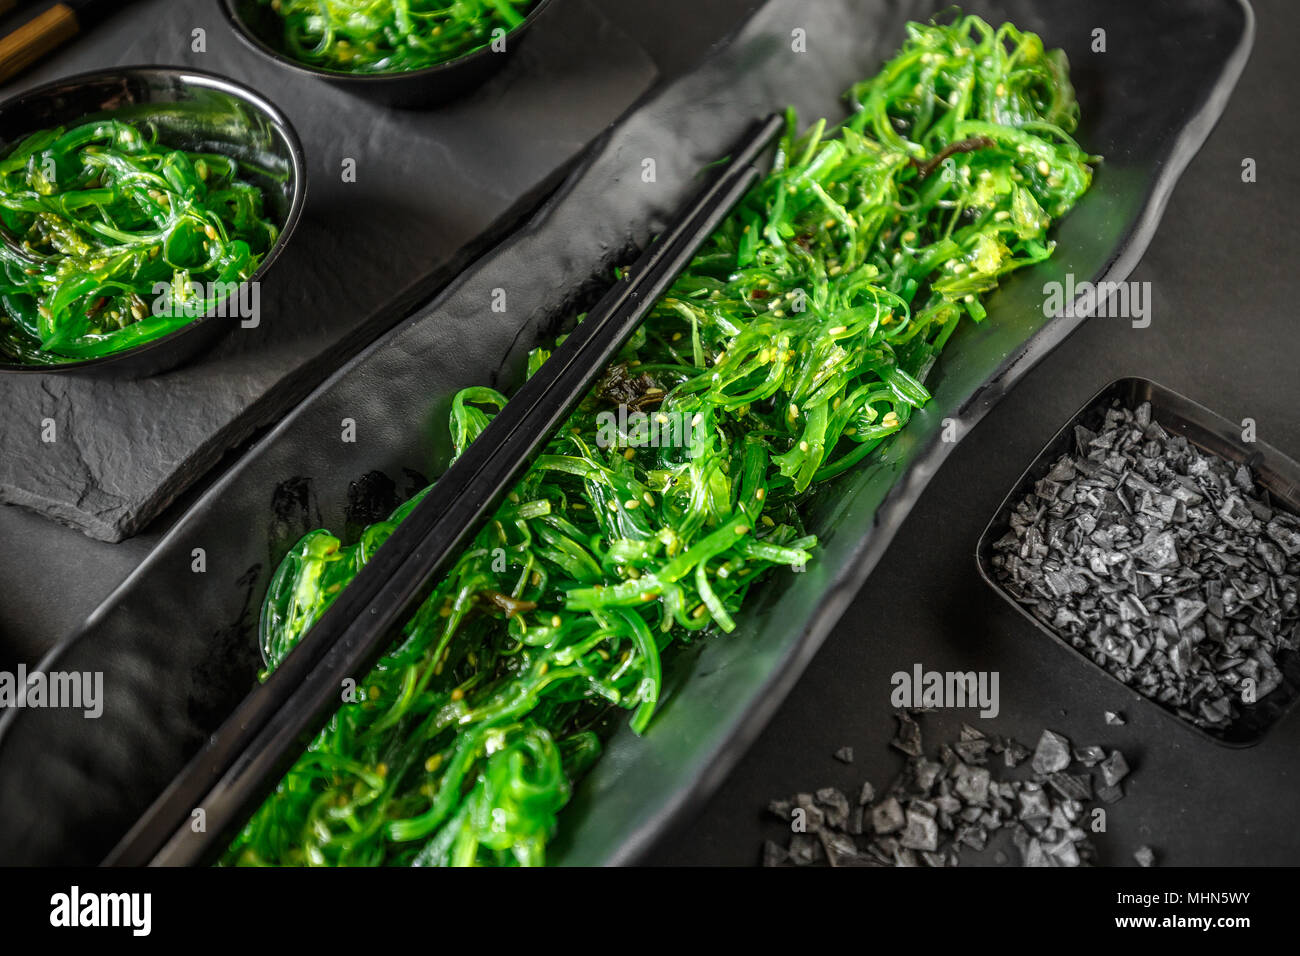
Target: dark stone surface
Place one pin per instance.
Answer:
(176, 648)
(1221, 268)
(432, 189)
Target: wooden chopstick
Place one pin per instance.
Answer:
(36, 39)
(244, 760)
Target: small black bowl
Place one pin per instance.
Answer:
(1179, 415)
(259, 27)
(191, 110)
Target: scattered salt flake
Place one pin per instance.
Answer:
(1052, 753)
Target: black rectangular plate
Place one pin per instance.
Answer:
(1273, 471)
(179, 650)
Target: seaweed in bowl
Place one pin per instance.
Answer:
(100, 170)
(794, 346)
(111, 239)
(390, 36)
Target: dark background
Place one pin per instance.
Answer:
(1221, 333)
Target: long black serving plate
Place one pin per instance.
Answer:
(178, 647)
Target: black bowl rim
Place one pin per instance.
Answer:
(367, 79)
(984, 546)
(193, 77)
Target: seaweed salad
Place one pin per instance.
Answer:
(110, 239)
(797, 342)
(391, 36)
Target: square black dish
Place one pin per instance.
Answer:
(1276, 474)
(1147, 106)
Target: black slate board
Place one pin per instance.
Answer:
(432, 190)
(170, 685)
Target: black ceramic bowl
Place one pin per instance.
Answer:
(259, 27)
(191, 110)
(1212, 433)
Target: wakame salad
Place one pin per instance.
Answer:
(391, 36)
(798, 340)
(110, 239)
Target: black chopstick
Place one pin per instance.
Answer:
(248, 755)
